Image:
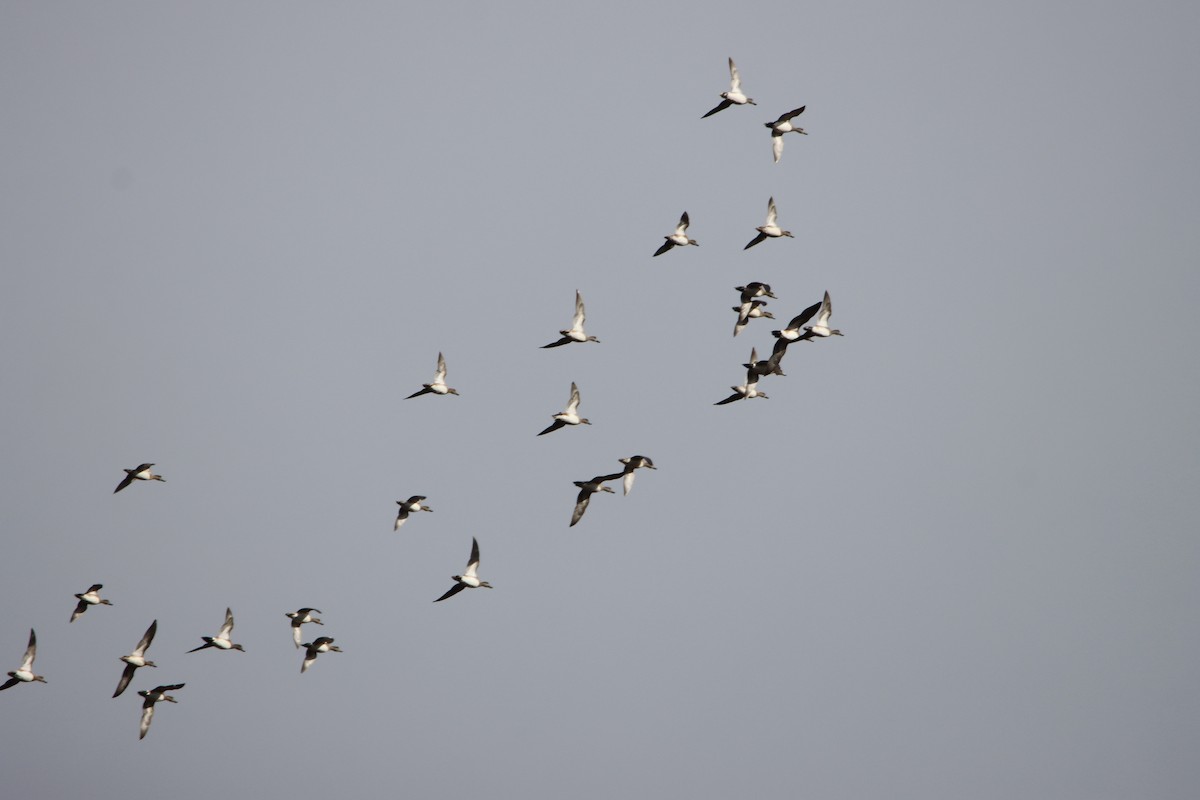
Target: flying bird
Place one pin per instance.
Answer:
(407, 507)
(221, 641)
(586, 490)
(755, 289)
(89, 598)
(793, 332)
(299, 618)
(770, 230)
(570, 415)
(760, 369)
(139, 473)
(470, 578)
(24, 674)
(781, 126)
(438, 385)
(631, 464)
(155, 695)
(734, 96)
(322, 644)
(575, 333)
(679, 237)
(137, 659)
(747, 311)
(821, 326)
(749, 390)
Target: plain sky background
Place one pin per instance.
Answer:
(953, 555)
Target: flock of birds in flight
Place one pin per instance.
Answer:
(750, 307)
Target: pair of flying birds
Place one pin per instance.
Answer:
(768, 230)
(783, 124)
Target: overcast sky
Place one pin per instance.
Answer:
(954, 554)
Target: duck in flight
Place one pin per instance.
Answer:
(438, 385)
(155, 695)
(746, 392)
(139, 473)
(322, 644)
(89, 598)
(24, 674)
(770, 230)
(821, 326)
(792, 333)
(781, 126)
(678, 238)
(749, 390)
(586, 490)
(734, 96)
(632, 464)
(761, 369)
(407, 507)
(747, 311)
(755, 289)
(570, 415)
(221, 641)
(794, 330)
(301, 617)
(470, 578)
(137, 659)
(575, 333)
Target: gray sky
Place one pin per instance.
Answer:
(953, 555)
